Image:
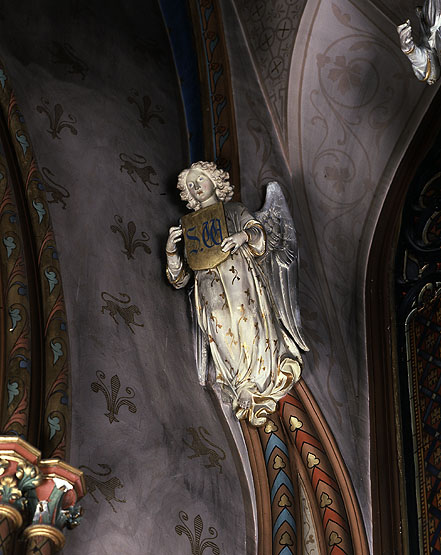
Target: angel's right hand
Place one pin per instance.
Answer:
(406, 38)
(174, 235)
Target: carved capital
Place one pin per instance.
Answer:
(41, 494)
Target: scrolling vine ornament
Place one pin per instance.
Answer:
(198, 545)
(114, 403)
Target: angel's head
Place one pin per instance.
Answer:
(203, 184)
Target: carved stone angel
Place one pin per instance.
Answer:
(248, 321)
(425, 58)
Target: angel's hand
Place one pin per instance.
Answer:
(406, 38)
(174, 235)
(234, 242)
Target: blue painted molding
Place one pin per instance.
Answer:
(180, 30)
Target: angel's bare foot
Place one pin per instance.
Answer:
(245, 398)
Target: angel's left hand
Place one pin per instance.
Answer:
(234, 242)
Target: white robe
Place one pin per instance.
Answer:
(250, 350)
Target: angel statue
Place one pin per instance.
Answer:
(425, 59)
(247, 320)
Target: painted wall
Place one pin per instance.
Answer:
(101, 98)
(332, 127)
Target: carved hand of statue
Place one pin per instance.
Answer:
(406, 38)
(234, 241)
(174, 235)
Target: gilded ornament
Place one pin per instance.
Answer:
(286, 539)
(334, 539)
(28, 476)
(325, 500)
(46, 531)
(12, 515)
(9, 492)
(278, 463)
(295, 424)
(312, 460)
(284, 501)
(4, 463)
(270, 427)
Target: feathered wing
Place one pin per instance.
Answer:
(280, 263)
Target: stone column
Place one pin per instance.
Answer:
(53, 506)
(40, 495)
(18, 474)
(10, 521)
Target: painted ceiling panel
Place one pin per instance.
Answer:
(271, 30)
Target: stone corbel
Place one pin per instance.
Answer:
(39, 496)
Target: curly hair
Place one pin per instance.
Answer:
(220, 179)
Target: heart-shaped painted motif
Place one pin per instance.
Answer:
(270, 427)
(295, 423)
(284, 501)
(325, 500)
(278, 463)
(286, 539)
(312, 460)
(334, 539)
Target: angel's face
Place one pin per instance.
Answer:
(201, 188)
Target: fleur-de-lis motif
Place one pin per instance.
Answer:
(146, 111)
(114, 403)
(56, 124)
(58, 192)
(130, 243)
(198, 545)
(65, 54)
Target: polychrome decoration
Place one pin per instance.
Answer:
(242, 293)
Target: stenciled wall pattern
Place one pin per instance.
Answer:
(100, 96)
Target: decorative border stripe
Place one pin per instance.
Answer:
(274, 441)
(284, 516)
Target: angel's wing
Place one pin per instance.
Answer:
(280, 263)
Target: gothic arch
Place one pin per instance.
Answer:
(389, 513)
